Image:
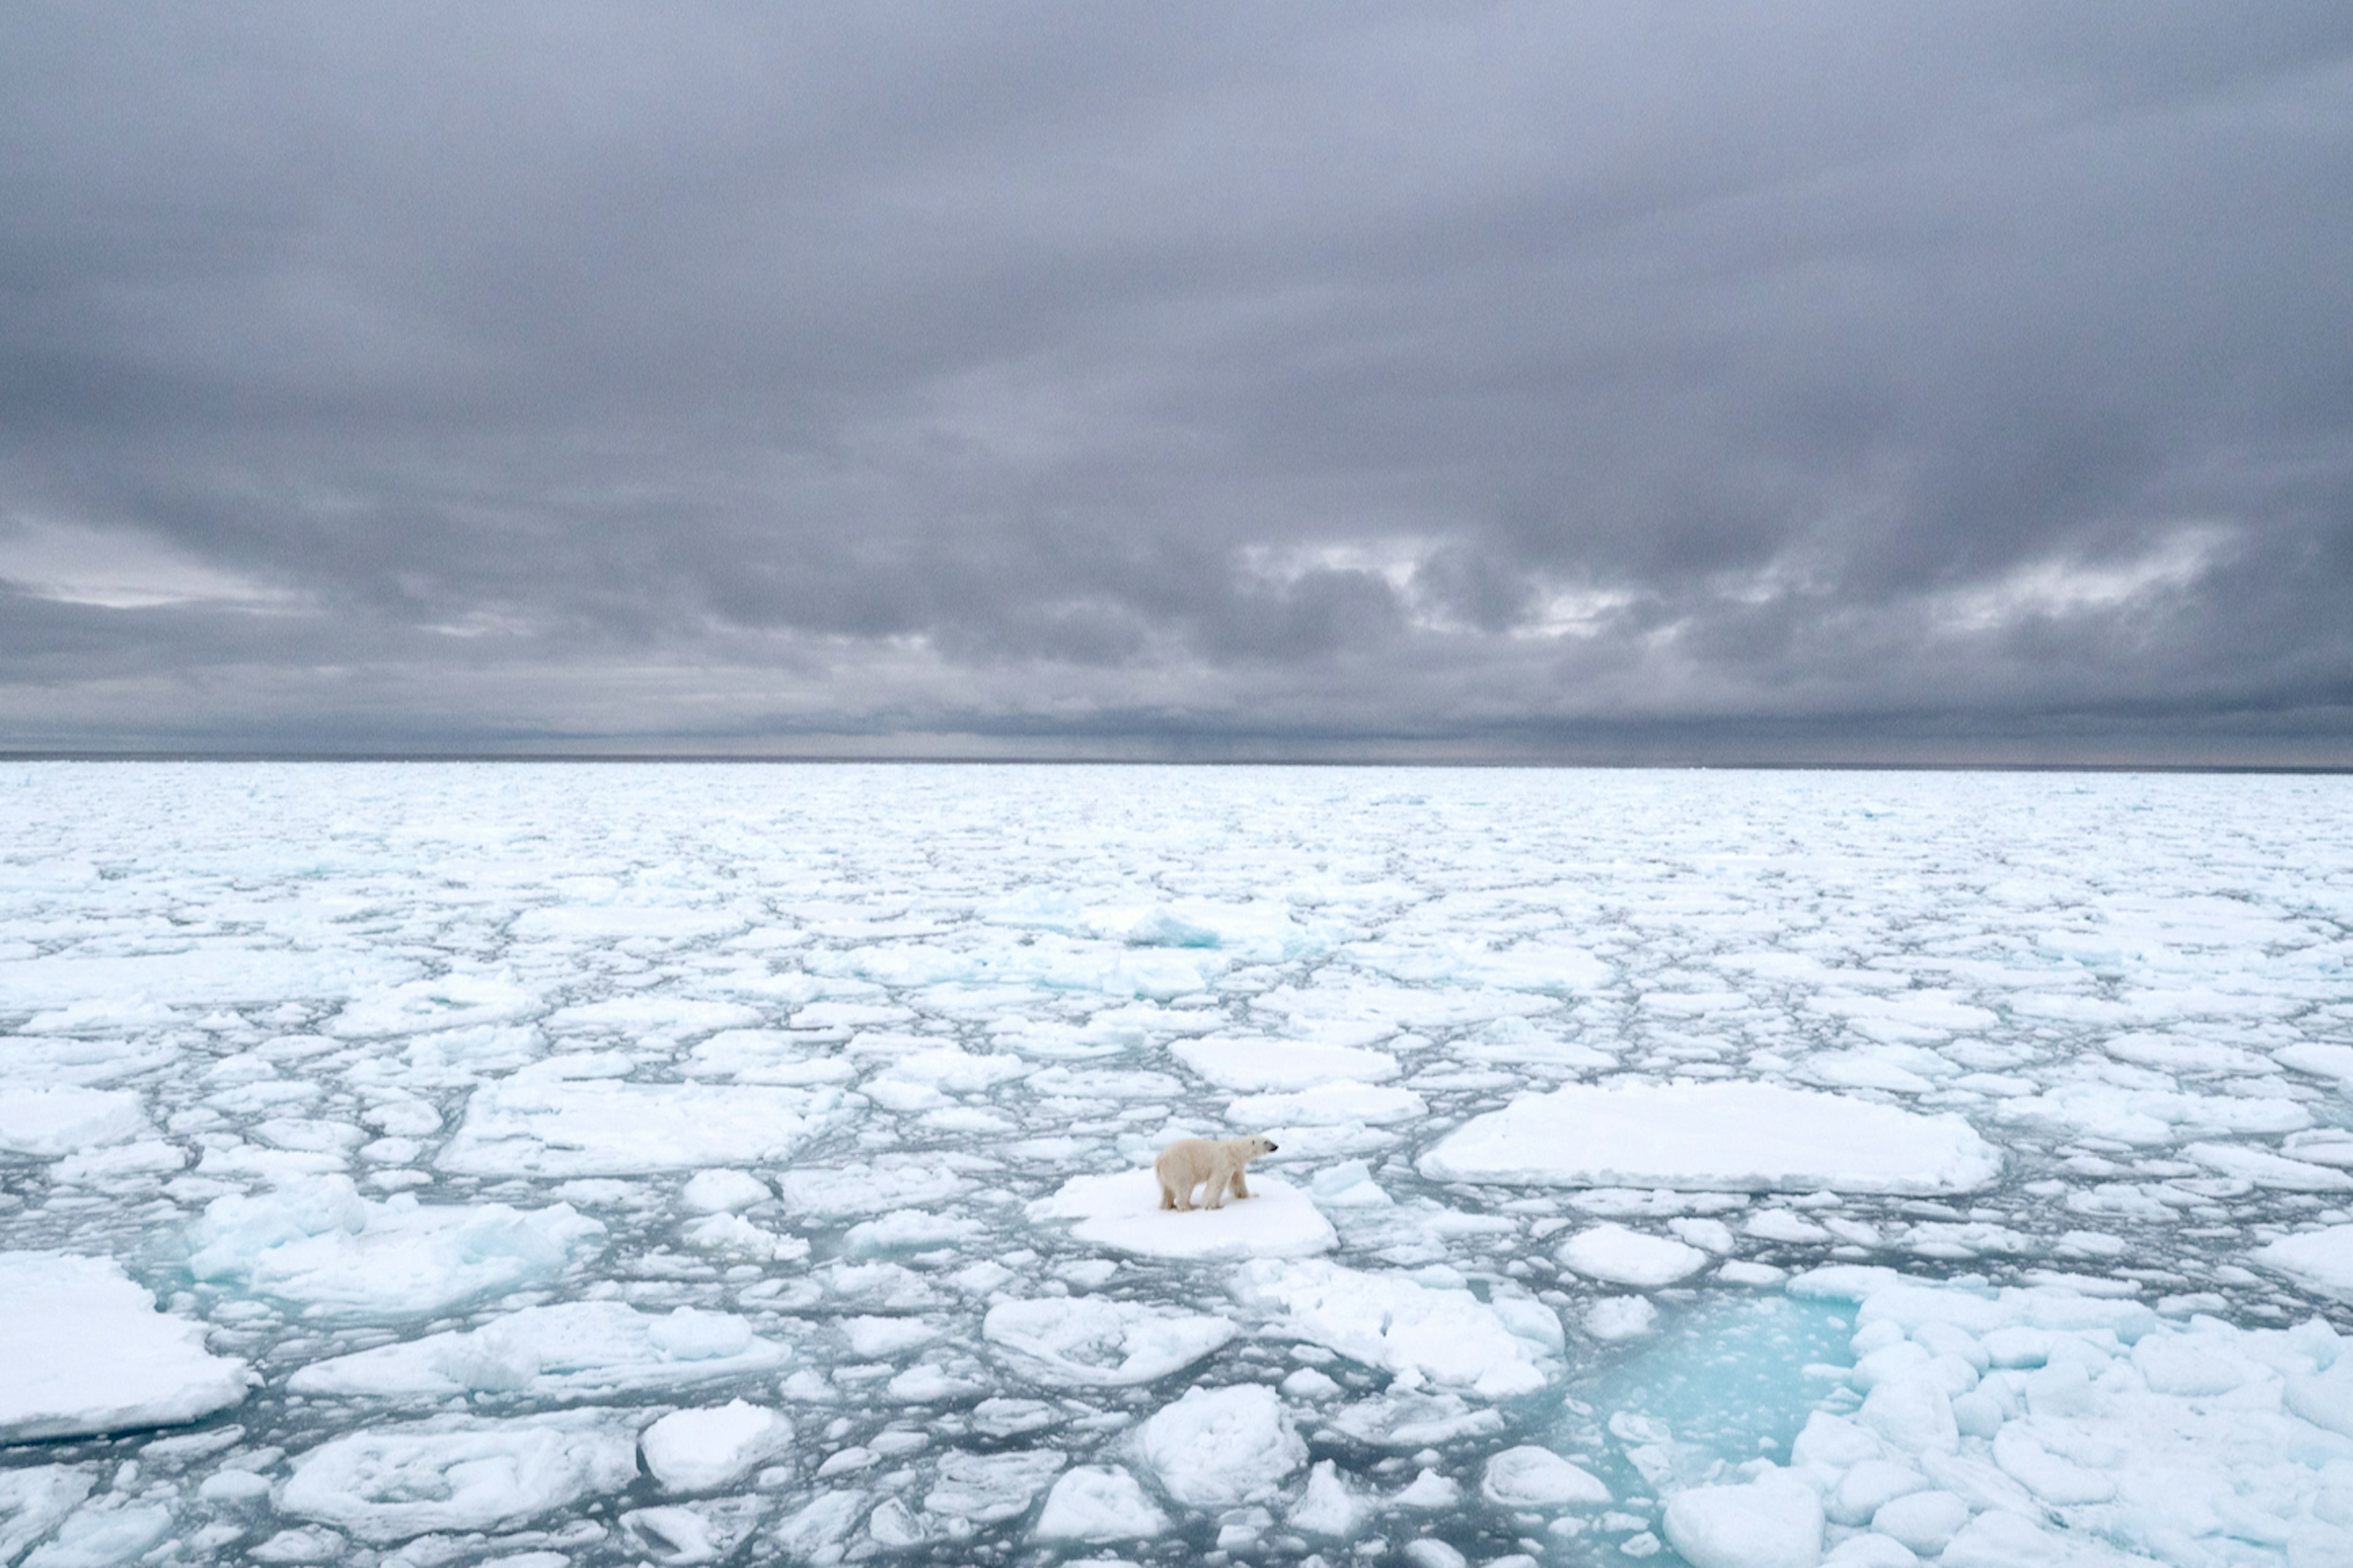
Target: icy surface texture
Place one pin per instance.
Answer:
(421, 1165)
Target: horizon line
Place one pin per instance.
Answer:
(849, 759)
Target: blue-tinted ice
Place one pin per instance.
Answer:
(680, 1165)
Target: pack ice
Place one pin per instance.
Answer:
(411, 1166)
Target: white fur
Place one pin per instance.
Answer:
(1190, 1162)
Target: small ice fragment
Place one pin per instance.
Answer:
(1083, 1341)
(1871, 1484)
(99, 1538)
(1622, 1257)
(982, 1488)
(1329, 1506)
(1773, 1521)
(1912, 1411)
(1096, 1503)
(1529, 1477)
(2321, 1258)
(700, 1450)
(1223, 1448)
(723, 1191)
(1447, 1336)
(47, 1122)
(1923, 1521)
(1710, 1235)
(1428, 1490)
(1620, 1318)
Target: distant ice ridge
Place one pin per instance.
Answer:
(1726, 1137)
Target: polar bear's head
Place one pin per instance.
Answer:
(1253, 1147)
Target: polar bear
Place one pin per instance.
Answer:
(1188, 1162)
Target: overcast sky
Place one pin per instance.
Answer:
(1845, 381)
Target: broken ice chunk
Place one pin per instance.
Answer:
(1223, 1448)
(700, 1450)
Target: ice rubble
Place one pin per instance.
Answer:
(2040, 1423)
(1421, 1334)
(1733, 1137)
(86, 1352)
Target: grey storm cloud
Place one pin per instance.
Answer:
(1487, 380)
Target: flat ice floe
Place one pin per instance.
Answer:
(457, 1473)
(1734, 1137)
(575, 1349)
(320, 1246)
(1121, 1211)
(1257, 1066)
(570, 1116)
(1084, 1341)
(50, 1121)
(84, 1351)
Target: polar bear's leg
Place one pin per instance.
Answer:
(1239, 1190)
(1167, 1195)
(1220, 1179)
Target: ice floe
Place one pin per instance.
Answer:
(460, 1473)
(49, 1122)
(575, 1349)
(555, 1119)
(1223, 1448)
(700, 1450)
(1087, 1342)
(1722, 1136)
(87, 1351)
(1121, 1211)
(321, 1247)
(1096, 1503)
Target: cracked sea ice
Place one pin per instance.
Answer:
(432, 1165)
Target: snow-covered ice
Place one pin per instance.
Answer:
(591, 1165)
(700, 1451)
(457, 1473)
(1221, 1447)
(1734, 1137)
(86, 1352)
(1086, 1341)
(1121, 1211)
